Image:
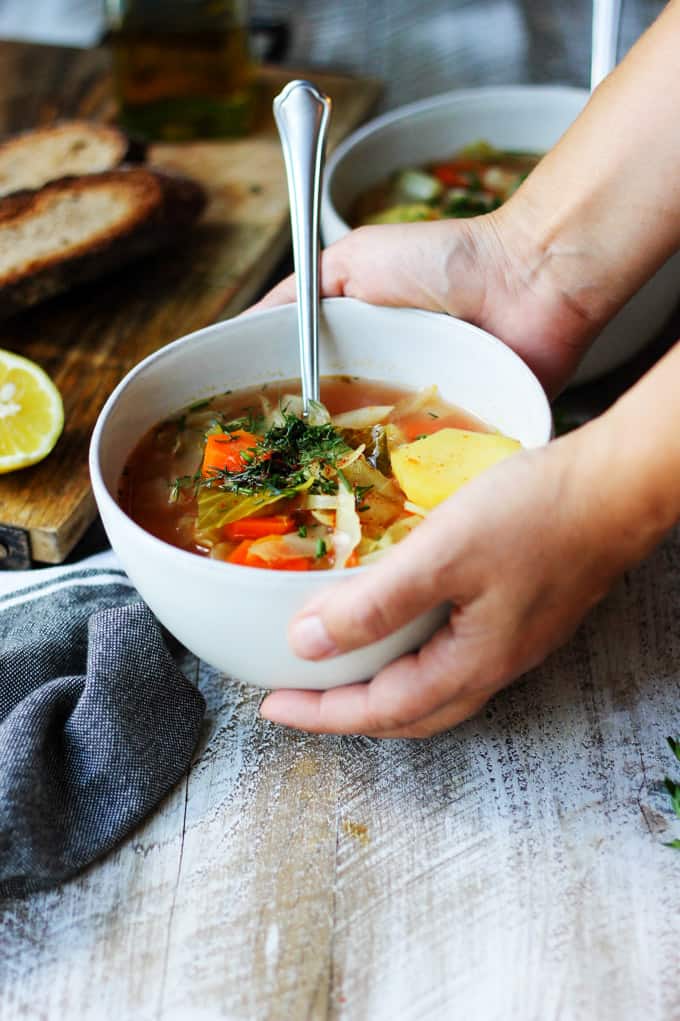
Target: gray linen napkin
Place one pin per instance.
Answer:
(97, 723)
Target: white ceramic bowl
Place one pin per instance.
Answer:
(236, 617)
(525, 117)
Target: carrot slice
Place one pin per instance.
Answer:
(293, 564)
(225, 452)
(450, 178)
(353, 559)
(240, 554)
(257, 528)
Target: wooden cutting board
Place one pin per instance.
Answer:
(88, 339)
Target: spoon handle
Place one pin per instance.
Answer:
(302, 113)
(606, 19)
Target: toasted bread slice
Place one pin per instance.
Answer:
(79, 228)
(34, 158)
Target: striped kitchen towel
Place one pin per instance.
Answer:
(97, 722)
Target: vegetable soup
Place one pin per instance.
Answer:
(243, 477)
(475, 180)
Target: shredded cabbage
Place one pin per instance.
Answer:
(347, 535)
(217, 507)
(414, 508)
(414, 402)
(320, 501)
(324, 517)
(372, 549)
(363, 418)
(290, 546)
(291, 404)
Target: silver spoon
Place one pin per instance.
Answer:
(302, 113)
(606, 19)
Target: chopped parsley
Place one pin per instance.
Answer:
(320, 548)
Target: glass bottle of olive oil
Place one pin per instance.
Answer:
(182, 68)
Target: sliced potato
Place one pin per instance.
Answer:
(431, 469)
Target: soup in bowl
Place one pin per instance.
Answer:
(524, 119)
(229, 510)
(475, 180)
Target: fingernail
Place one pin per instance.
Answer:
(310, 639)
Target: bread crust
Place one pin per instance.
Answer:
(122, 150)
(161, 207)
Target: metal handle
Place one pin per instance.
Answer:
(302, 113)
(606, 20)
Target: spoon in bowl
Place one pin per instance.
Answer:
(302, 113)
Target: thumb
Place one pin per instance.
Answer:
(283, 294)
(387, 596)
(333, 280)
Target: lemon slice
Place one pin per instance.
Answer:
(31, 412)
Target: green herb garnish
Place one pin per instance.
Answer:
(251, 421)
(302, 531)
(286, 457)
(320, 548)
(673, 788)
(177, 485)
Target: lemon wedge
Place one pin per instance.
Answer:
(31, 412)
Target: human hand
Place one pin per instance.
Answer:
(482, 270)
(522, 552)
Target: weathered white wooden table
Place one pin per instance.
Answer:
(512, 870)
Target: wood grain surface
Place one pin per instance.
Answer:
(514, 869)
(87, 340)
